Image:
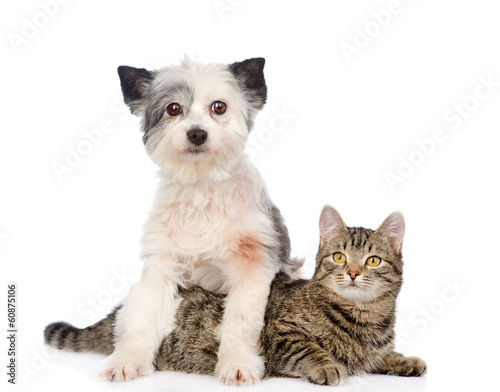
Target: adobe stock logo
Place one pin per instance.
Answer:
(36, 363)
(430, 313)
(83, 148)
(89, 142)
(222, 7)
(32, 25)
(107, 297)
(453, 119)
(363, 36)
(260, 138)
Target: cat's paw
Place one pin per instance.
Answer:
(328, 375)
(120, 369)
(406, 367)
(237, 373)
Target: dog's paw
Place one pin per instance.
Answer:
(237, 373)
(328, 375)
(115, 369)
(119, 373)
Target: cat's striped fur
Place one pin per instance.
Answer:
(323, 329)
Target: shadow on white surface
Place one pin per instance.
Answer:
(79, 371)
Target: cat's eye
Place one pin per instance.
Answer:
(373, 261)
(339, 258)
(219, 107)
(174, 109)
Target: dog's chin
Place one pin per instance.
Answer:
(196, 163)
(196, 151)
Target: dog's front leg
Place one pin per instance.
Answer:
(239, 362)
(146, 317)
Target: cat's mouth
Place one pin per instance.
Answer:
(352, 289)
(357, 291)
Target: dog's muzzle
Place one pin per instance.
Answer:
(197, 136)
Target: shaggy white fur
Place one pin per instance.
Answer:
(212, 223)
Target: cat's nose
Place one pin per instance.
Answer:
(353, 274)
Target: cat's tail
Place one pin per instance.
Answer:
(98, 338)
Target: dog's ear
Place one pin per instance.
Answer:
(250, 76)
(135, 83)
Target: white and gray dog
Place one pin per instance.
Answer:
(212, 223)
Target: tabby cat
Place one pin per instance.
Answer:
(338, 324)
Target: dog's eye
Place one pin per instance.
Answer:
(174, 109)
(219, 107)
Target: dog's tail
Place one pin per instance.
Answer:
(293, 268)
(98, 338)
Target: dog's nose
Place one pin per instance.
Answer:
(197, 136)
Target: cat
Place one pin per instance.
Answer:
(338, 324)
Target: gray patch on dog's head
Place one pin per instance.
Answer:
(159, 97)
(147, 95)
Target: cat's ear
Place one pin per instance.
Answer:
(330, 223)
(393, 229)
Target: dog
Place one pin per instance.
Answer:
(212, 223)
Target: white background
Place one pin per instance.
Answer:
(71, 243)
